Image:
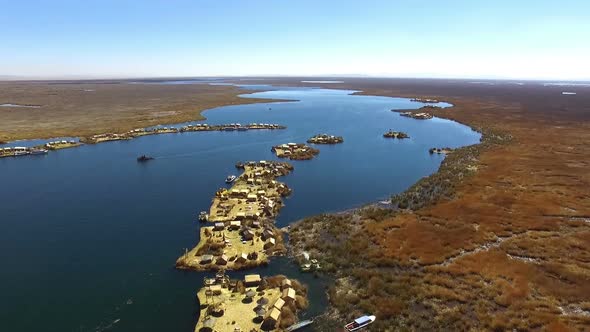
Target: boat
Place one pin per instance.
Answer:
(299, 325)
(359, 323)
(38, 151)
(203, 216)
(20, 151)
(144, 158)
(230, 178)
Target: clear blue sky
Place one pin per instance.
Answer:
(410, 38)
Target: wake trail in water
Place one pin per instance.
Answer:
(222, 149)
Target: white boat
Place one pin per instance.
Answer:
(38, 151)
(359, 323)
(230, 178)
(18, 151)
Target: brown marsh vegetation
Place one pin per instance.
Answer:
(497, 240)
(86, 108)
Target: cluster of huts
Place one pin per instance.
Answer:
(295, 151)
(130, 134)
(247, 233)
(18, 151)
(395, 134)
(419, 116)
(54, 145)
(440, 150)
(425, 100)
(325, 139)
(267, 309)
(230, 127)
(273, 311)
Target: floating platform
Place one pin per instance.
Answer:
(395, 134)
(325, 139)
(295, 151)
(243, 234)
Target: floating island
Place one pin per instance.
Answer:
(251, 304)
(295, 151)
(425, 100)
(417, 116)
(58, 145)
(440, 150)
(422, 113)
(173, 130)
(243, 234)
(231, 127)
(325, 139)
(395, 134)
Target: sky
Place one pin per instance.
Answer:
(516, 39)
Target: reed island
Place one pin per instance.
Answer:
(440, 150)
(243, 234)
(423, 113)
(131, 134)
(325, 139)
(395, 134)
(295, 151)
(173, 130)
(254, 303)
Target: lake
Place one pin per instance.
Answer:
(89, 237)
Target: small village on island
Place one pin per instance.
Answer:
(395, 134)
(238, 232)
(243, 233)
(422, 113)
(295, 151)
(128, 135)
(440, 150)
(325, 139)
(253, 303)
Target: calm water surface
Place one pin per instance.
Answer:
(89, 237)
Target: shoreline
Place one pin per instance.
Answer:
(133, 106)
(476, 234)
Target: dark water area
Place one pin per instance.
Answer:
(89, 237)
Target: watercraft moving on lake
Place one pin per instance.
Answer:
(144, 158)
(359, 323)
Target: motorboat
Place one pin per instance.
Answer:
(359, 323)
(144, 158)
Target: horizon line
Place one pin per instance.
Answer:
(75, 77)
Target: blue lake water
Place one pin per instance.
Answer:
(89, 237)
